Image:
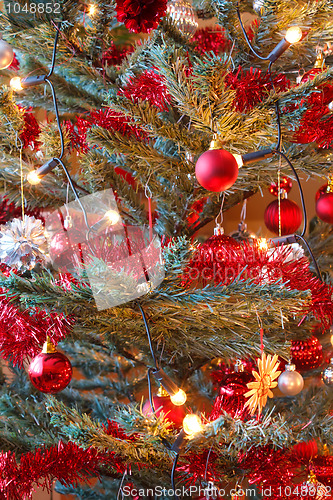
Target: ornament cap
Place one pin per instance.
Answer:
(290, 367)
(320, 61)
(48, 347)
(216, 143)
(239, 366)
(162, 393)
(218, 230)
(312, 477)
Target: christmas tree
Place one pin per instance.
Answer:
(139, 361)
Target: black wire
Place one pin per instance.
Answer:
(315, 263)
(246, 37)
(173, 486)
(54, 50)
(150, 391)
(149, 336)
(74, 191)
(55, 104)
(277, 108)
(305, 219)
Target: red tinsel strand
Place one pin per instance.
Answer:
(115, 55)
(210, 40)
(105, 118)
(31, 129)
(220, 260)
(141, 16)
(317, 121)
(197, 467)
(148, 86)
(67, 463)
(9, 211)
(23, 333)
(253, 86)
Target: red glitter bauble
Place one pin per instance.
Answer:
(291, 216)
(50, 372)
(231, 396)
(285, 184)
(307, 354)
(309, 75)
(324, 207)
(175, 414)
(216, 170)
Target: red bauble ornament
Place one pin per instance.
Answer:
(175, 414)
(231, 396)
(216, 170)
(307, 354)
(324, 206)
(319, 67)
(285, 184)
(291, 216)
(50, 371)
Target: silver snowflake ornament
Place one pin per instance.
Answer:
(21, 243)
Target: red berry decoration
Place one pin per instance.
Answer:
(291, 216)
(162, 403)
(216, 169)
(285, 185)
(50, 371)
(140, 16)
(231, 396)
(307, 354)
(324, 203)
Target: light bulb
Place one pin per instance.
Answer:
(293, 34)
(112, 216)
(239, 160)
(262, 244)
(92, 10)
(192, 424)
(16, 84)
(179, 398)
(33, 178)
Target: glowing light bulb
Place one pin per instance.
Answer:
(16, 84)
(179, 398)
(33, 178)
(192, 424)
(112, 216)
(92, 9)
(239, 160)
(293, 34)
(332, 339)
(262, 244)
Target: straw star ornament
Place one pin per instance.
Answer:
(264, 382)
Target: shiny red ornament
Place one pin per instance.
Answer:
(216, 170)
(285, 184)
(322, 190)
(324, 207)
(305, 450)
(291, 216)
(50, 371)
(231, 396)
(175, 414)
(307, 354)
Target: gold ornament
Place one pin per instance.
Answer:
(265, 381)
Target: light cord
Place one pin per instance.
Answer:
(150, 395)
(246, 37)
(56, 110)
(315, 263)
(54, 54)
(148, 335)
(173, 486)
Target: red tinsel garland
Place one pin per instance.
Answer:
(67, 463)
(115, 55)
(9, 211)
(194, 467)
(106, 118)
(148, 86)
(253, 86)
(31, 129)
(210, 40)
(317, 122)
(223, 262)
(23, 333)
(141, 16)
